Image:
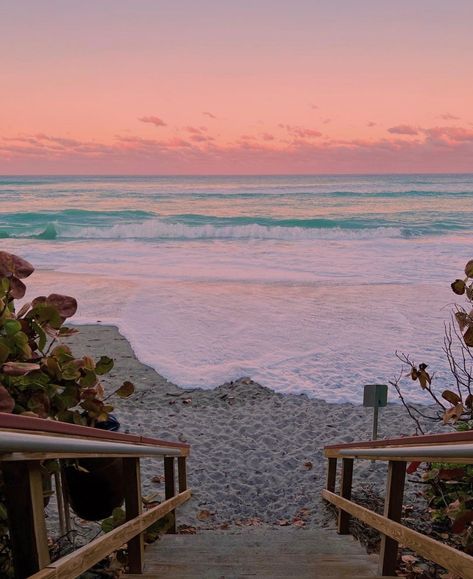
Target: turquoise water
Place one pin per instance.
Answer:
(306, 283)
(206, 207)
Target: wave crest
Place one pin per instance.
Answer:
(159, 229)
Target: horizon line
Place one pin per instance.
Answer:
(399, 174)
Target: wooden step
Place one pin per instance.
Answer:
(264, 553)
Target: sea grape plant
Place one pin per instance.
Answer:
(449, 489)
(40, 376)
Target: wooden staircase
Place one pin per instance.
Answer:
(270, 552)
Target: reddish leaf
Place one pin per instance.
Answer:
(308, 465)
(469, 268)
(469, 401)
(451, 397)
(463, 320)
(453, 414)
(462, 521)
(413, 466)
(19, 368)
(7, 404)
(451, 473)
(468, 337)
(17, 288)
(424, 378)
(65, 305)
(12, 265)
(186, 530)
(23, 310)
(204, 515)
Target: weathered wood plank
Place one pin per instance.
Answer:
(75, 563)
(444, 555)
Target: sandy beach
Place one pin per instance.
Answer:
(256, 456)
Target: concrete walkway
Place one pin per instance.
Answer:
(258, 552)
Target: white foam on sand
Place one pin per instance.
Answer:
(320, 317)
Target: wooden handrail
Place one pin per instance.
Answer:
(25, 442)
(27, 423)
(454, 448)
(34, 446)
(451, 437)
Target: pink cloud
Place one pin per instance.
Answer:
(196, 130)
(449, 134)
(301, 132)
(371, 124)
(437, 149)
(200, 138)
(267, 137)
(210, 115)
(403, 130)
(449, 117)
(156, 121)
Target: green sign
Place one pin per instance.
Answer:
(375, 395)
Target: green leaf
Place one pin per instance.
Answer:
(46, 315)
(62, 354)
(125, 390)
(118, 518)
(4, 352)
(88, 379)
(42, 339)
(11, 327)
(70, 371)
(104, 365)
(3, 512)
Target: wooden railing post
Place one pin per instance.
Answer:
(331, 474)
(345, 492)
(393, 511)
(27, 526)
(170, 487)
(182, 473)
(133, 506)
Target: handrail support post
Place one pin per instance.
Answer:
(393, 511)
(27, 525)
(170, 487)
(345, 492)
(133, 508)
(331, 474)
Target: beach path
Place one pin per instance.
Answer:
(258, 552)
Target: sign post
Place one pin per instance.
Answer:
(375, 396)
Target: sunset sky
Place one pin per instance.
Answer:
(254, 86)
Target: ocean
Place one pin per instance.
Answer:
(308, 284)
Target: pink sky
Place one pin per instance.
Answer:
(146, 86)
